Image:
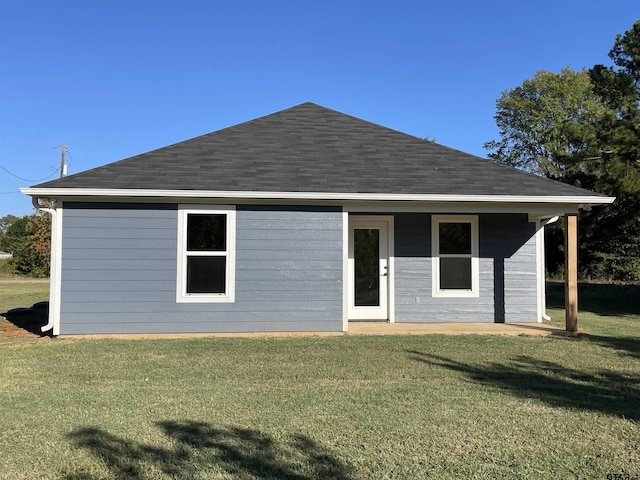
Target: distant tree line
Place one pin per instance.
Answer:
(583, 128)
(28, 238)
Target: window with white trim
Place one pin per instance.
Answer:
(454, 248)
(206, 253)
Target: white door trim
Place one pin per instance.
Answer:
(386, 310)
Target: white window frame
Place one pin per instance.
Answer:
(230, 275)
(436, 291)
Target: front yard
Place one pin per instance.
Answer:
(347, 407)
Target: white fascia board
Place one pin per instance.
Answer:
(545, 210)
(583, 201)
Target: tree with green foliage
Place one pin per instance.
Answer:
(5, 223)
(14, 233)
(583, 128)
(614, 232)
(544, 123)
(29, 239)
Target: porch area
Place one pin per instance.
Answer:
(509, 329)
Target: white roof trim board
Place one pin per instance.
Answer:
(135, 193)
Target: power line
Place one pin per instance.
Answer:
(26, 179)
(70, 162)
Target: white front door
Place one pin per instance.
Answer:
(369, 268)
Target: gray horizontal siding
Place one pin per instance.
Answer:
(136, 306)
(250, 245)
(124, 277)
(138, 244)
(194, 324)
(119, 233)
(239, 318)
(507, 271)
(119, 271)
(117, 254)
(510, 241)
(128, 285)
(291, 234)
(265, 297)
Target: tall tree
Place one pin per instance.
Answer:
(583, 128)
(546, 122)
(29, 239)
(626, 52)
(614, 233)
(34, 257)
(6, 221)
(15, 233)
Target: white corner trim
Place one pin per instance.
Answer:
(391, 285)
(583, 201)
(55, 288)
(55, 266)
(57, 270)
(540, 270)
(345, 270)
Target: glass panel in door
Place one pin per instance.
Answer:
(366, 257)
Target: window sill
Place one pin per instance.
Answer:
(455, 294)
(205, 299)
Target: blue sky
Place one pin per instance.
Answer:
(112, 79)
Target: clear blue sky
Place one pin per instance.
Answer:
(115, 78)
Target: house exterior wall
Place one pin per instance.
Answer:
(119, 271)
(507, 271)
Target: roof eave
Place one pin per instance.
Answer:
(583, 201)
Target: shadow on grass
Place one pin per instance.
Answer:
(629, 346)
(556, 385)
(601, 299)
(240, 452)
(30, 319)
(604, 300)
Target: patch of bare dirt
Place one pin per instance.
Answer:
(8, 329)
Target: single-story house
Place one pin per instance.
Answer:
(303, 220)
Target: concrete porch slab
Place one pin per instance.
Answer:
(512, 329)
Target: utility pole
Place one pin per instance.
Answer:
(63, 166)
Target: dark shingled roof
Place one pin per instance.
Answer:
(312, 149)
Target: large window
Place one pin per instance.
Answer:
(206, 254)
(454, 244)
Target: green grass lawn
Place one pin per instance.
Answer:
(22, 293)
(19, 291)
(330, 407)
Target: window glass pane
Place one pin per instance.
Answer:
(455, 237)
(455, 273)
(206, 274)
(206, 232)
(366, 259)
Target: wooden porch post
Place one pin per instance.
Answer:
(571, 271)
